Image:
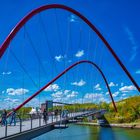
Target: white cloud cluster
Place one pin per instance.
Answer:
(111, 84)
(127, 88)
(52, 87)
(73, 94)
(124, 94)
(115, 94)
(59, 58)
(73, 18)
(66, 92)
(97, 87)
(9, 103)
(79, 53)
(33, 103)
(57, 94)
(64, 95)
(19, 91)
(93, 95)
(80, 83)
(107, 93)
(6, 73)
(11, 100)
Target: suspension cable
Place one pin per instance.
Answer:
(58, 31)
(36, 53)
(47, 41)
(24, 69)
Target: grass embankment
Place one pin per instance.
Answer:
(128, 110)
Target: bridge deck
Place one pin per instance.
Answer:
(26, 125)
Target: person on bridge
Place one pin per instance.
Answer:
(56, 114)
(4, 118)
(65, 114)
(45, 116)
(13, 117)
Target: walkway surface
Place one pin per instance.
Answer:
(28, 124)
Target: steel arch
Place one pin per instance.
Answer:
(61, 74)
(11, 35)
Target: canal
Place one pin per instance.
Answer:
(78, 132)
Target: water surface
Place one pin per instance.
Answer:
(78, 132)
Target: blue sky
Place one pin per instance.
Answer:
(54, 39)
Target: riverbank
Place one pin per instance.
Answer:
(124, 125)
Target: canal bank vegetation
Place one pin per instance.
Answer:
(128, 110)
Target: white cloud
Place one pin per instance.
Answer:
(133, 43)
(19, 91)
(57, 94)
(80, 100)
(57, 99)
(59, 58)
(107, 93)
(6, 73)
(66, 92)
(111, 84)
(115, 94)
(122, 84)
(11, 100)
(93, 95)
(64, 95)
(52, 87)
(80, 83)
(73, 18)
(73, 94)
(138, 71)
(124, 94)
(97, 87)
(9, 103)
(33, 103)
(127, 88)
(79, 53)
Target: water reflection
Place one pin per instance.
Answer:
(77, 132)
(106, 132)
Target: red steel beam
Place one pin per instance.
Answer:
(61, 74)
(5, 44)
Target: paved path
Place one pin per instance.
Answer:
(26, 125)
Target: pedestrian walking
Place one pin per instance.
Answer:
(56, 114)
(4, 118)
(45, 116)
(13, 117)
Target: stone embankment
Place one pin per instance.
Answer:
(124, 125)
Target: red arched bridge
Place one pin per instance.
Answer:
(13, 33)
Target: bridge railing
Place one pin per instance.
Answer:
(25, 122)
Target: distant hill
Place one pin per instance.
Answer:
(128, 111)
